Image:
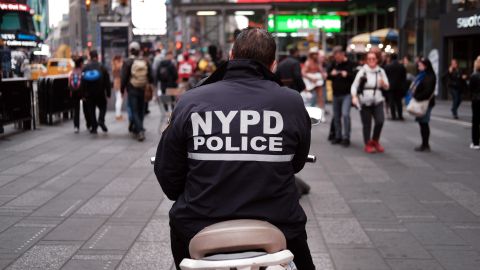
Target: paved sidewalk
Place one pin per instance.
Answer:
(77, 201)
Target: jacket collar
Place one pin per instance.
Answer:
(240, 69)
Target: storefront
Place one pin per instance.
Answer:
(461, 39)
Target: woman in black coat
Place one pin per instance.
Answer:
(425, 87)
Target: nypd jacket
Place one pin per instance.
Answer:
(231, 149)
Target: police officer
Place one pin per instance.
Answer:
(232, 147)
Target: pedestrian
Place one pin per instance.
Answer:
(186, 68)
(167, 77)
(290, 72)
(423, 88)
(77, 94)
(117, 63)
(341, 74)
(96, 83)
(397, 76)
(136, 75)
(475, 92)
(366, 92)
(456, 82)
(313, 76)
(252, 179)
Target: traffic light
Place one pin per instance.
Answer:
(87, 4)
(178, 45)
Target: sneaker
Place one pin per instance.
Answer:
(119, 118)
(422, 148)
(369, 148)
(345, 142)
(474, 146)
(141, 136)
(378, 147)
(76, 130)
(103, 127)
(336, 141)
(93, 131)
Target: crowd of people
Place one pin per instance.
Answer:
(376, 86)
(138, 76)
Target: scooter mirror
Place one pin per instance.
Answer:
(317, 115)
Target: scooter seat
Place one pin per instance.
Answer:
(235, 236)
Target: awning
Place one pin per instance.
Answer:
(361, 39)
(382, 35)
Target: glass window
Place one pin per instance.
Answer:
(10, 21)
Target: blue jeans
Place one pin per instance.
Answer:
(456, 100)
(341, 113)
(136, 102)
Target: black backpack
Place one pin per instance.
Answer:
(163, 73)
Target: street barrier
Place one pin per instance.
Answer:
(16, 103)
(54, 99)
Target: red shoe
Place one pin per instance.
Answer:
(378, 146)
(369, 148)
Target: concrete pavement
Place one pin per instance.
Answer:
(77, 201)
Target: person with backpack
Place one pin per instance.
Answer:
(167, 76)
(136, 75)
(96, 83)
(367, 95)
(77, 94)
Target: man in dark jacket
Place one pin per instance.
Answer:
(397, 76)
(97, 88)
(341, 72)
(290, 72)
(232, 147)
(136, 74)
(167, 76)
(456, 81)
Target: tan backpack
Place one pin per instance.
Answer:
(139, 73)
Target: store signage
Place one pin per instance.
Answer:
(292, 23)
(460, 23)
(14, 7)
(468, 22)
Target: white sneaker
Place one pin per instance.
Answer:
(474, 147)
(76, 130)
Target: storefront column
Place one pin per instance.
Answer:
(221, 33)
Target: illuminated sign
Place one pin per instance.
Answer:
(469, 22)
(14, 7)
(292, 23)
(21, 43)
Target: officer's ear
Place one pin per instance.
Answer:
(273, 66)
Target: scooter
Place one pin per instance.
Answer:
(243, 244)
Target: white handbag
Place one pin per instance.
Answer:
(418, 108)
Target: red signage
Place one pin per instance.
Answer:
(284, 1)
(14, 7)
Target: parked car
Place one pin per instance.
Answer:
(59, 66)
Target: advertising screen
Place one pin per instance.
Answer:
(292, 23)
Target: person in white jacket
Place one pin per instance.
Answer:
(367, 95)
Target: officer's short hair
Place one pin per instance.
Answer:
(257, 44)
